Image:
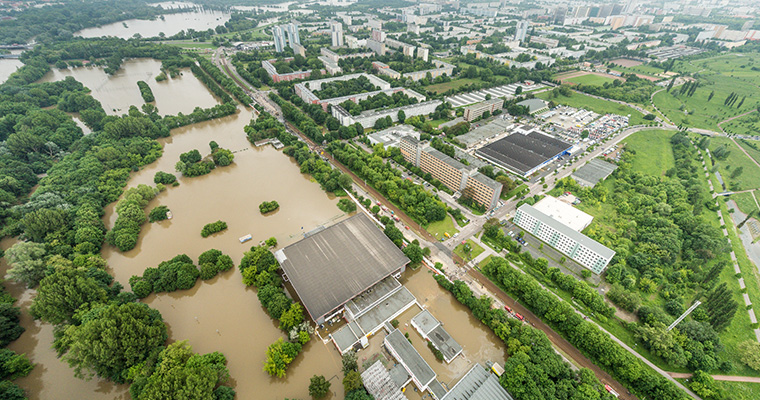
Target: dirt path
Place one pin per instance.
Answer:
(730, 378)
(553, 336)
(733, 118)
(742, 149)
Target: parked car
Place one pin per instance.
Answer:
(508, 308)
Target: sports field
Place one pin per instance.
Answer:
(590, 79)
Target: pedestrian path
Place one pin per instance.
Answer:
(737, 269)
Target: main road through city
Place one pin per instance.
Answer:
(475, 225)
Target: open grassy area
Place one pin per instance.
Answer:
(475, 250)
(438, 228)
(599, 106)
(643, 69)
(725, 74)
(590, 79)
(455, 84)
(752, 147)
(740, 390)
(745, 202)
(653, 152)
(518, 190)
(746, 125)
(750, 175)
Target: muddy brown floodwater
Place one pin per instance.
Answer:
(171, 24)
(7, 67)
(119, 91)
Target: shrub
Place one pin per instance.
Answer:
(268, 206)
(346, 205)
(158, 214)
(213, 227)
(164, 178)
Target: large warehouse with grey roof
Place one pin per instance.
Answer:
(524, 151)
(332, 266)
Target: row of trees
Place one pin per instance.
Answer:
(413, 199)
(584, 335)
(378, 101)
(330, 179)
(533, 370)
(145, 92)
(259, 269)
(130, 218)
(228, 84)
(212, 228)
(179, 273)
(12, 365)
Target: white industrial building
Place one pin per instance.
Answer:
(572, 217)
(577, 246)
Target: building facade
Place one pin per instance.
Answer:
(522, 30)
(279, 39)
(336, 33)
(577, 246)
(476, 110)
(455, 175)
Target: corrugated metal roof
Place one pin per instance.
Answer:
(332, 266)
(478, 384)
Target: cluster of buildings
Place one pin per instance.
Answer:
(305, 90)
(369, 117)
(452, 173)
(293, 39)
(278, 77)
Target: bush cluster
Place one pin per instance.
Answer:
(213, 227)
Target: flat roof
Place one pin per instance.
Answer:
(379, 383)
(533, 104)
(572, 217)
(486, 181)
(437, 389)
(336, 264)
(410, 358)
(425, 321)
(445, 343)
(582, 239)
(523, 152)
(594, 171)
(478, 384)
(393, 305)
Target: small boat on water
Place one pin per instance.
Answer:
(245, 238)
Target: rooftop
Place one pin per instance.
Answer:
(523, 152)
(487, 131)
(410, 358)
(582, 239)
(593, 172)
(478, 384)
(572, 217)
(336, 264)
(379, 383)
(533, 104)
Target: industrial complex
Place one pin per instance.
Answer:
(524, 151)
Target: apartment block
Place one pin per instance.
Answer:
(476, 110)
(575, 245)
(453, 174)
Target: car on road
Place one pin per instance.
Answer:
(508, 308)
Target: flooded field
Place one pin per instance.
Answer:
(119, 91)
(168, 24)
(7, 67)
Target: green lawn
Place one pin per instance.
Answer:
(438, 228)
(599, 106)
(643, 69)
(653, 152)
(745, 202)
(746, 125)
(455, 84)
(513, 192)
(752, 147)
(475, 250)
(485, 261)
(750, 176)
(740, 390)
(590, 79)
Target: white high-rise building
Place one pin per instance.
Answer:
(522, 30)
(292, 30)
(336, 31)
(279, 39)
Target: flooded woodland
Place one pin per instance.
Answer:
(168, 24)
(222, 314)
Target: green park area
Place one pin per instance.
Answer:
(745, 125)
(652, 149)
(738, 171)
(439, 228)
(752, 147)
(454, 84)
(590, 79)
(643, 69)
(598, 106)
(746, 201)
(469, 250)
(719, 79)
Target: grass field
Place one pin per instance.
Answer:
(749, 178)
(745, 202)
(653, 153)
(590, 79)
(643, 69)
(513, 192)
(455, 84)
(475, 251)
(746, 125)
(724, 75)
(740, 390)
(751, 147)
(599, 106)
(438, 228)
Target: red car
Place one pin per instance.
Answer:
(509, 309)
(520, 317)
